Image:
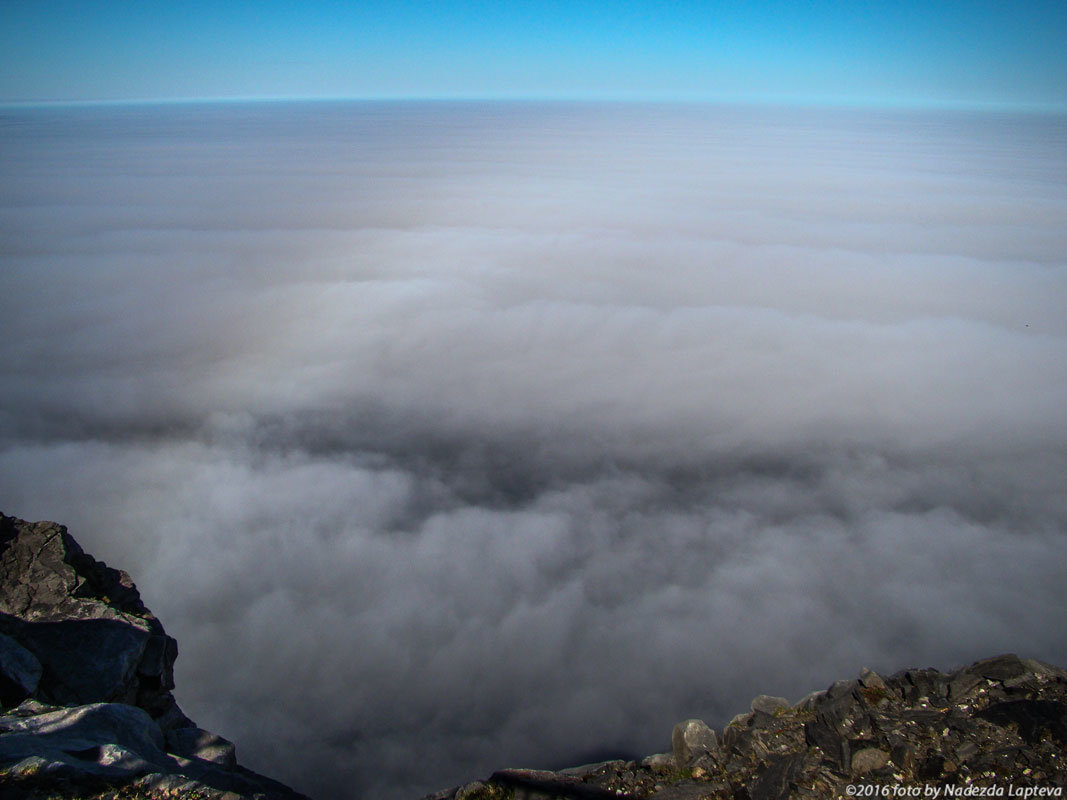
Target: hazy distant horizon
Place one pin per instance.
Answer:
(509, 434)
(819, 103)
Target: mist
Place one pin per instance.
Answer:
(448, 437)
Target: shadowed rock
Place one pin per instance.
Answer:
(1034, 719)
(20, 672)
(83, 622)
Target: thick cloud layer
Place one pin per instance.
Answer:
(451, 437)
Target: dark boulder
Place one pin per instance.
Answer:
(1035, 720)
(20, 672)
(1000, 668)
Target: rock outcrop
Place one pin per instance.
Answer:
(995, 728)
(86, 673)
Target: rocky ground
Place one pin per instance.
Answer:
(86, 673)
(995, 728)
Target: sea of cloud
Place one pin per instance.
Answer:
(449, 437)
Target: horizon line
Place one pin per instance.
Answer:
(815, 102)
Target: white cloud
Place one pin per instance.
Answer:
(507, 436)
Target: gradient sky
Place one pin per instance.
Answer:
(949, 52)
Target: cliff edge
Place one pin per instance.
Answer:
(86, 673)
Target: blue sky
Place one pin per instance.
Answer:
(938, 52)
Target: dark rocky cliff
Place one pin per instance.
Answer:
(86, 673)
